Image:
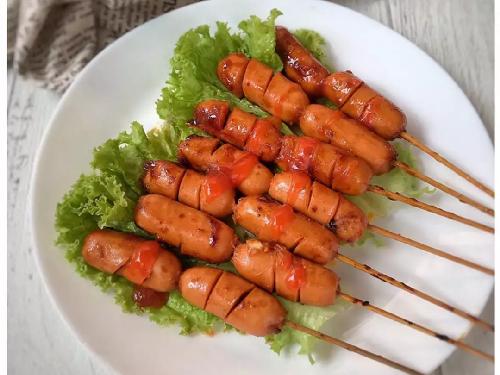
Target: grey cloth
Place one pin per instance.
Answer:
(52, 40)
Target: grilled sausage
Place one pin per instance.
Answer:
(265, 140)
(231, 71)
(333, 126)
(320, 203)
(300, 65)
(243, 168)
(272, 267)
(139, 260)
(195, 233)
(339, 86)
(285, 99)
(273, 92)
(273, 222)
(238, 127)
(289, 102)
(188, 187)
(211, 116)
(344, 89)
(366, 105)
(255, 81)
(231, 298)
(329, 164)
(244, 130)
(326, 163)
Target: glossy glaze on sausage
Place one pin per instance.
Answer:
(322, 123)
(300, 65)
(111, 251)
(207, 154)
(325, 162)
(272, 91)
(272, 267)
(186, 186)
(347, 91)
(334, 127)
(273, 222)
(233, 299)
(320, 203)
(195, 233)
(367, 106)
(260, 136)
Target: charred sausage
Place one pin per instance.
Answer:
(326, 163)
(242, 168)
(231, 71)
(244, 130)
(189, 187)
(366, 105)
(272, 91)
(137, 259)
(273, 222)
(300, 65)
(347, 91)
(320, 203)
(231, 298)
(334, 127)
(272, 267)
(286, 100)
(194, 232)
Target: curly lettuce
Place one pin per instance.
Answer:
(106, 197)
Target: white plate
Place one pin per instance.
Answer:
(122, 84)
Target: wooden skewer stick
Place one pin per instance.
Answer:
(429, 208)
(459, 344)
(414, 141)
(350, 347)
(432, 250)
(462, 198)
(382, 277)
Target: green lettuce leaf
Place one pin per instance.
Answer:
(106, 198)
(259, 39)
(193, 69)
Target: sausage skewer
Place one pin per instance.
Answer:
(353, 97)
(194, 232)
(107, 249)
(311, 198)
(140, 261)
(167, 177)
(286, 100)
(273, 268)
(329, 165)
(272, 222)
(339, 214)
(251, 309)
(214, 241)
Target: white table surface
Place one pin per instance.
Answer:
(456, 33)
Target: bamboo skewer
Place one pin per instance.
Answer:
(459, 344)
(382, 277)
(429, 208)
(462, 198)
(414, 141)
(350, 347)
(432, 250)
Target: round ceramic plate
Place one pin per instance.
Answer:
(121, 85)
